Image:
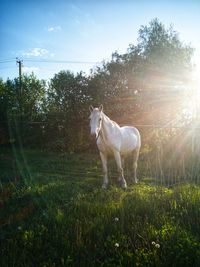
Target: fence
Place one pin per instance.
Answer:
(169, 154)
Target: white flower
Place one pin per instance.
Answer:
(157, 245)
(116, 219)
(116, 245)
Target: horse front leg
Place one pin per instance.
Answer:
(118, 160)
(105, 170)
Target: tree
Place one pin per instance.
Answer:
(68, 102)
(163, 51)
(33, 97)
(19, 109)
(28, 103)
(67, 92)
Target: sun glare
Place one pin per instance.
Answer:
(196, 74)
(192, 99)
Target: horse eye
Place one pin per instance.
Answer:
(100, 119)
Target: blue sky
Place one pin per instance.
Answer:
(83, 32)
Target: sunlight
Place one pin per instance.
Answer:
(196, 74)
(196, 89)
(191, 108)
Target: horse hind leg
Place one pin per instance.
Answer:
(135, 159)
(119, 161)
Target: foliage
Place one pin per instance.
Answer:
(20, 107)
(55, 214)
(162, 47)
(67, 93)
(27, 100)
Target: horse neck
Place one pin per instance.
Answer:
(107, 127)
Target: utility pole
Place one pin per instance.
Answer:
(20, 75)
(20, 94)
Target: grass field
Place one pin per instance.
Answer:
(54, 213)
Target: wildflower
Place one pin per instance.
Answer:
(116, 245)
(116, 219)
(156, 245)
(19, 228)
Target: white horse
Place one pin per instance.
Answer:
(115, 140)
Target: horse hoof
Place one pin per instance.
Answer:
(134, 181)
(123, 184)
(104, 186)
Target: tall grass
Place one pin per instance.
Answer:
(54, 213)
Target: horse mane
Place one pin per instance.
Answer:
(113, 122)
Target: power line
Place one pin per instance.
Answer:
(8, 67)
(52, 61)
(62, 61)
(7, 60)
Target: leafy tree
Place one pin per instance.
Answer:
(21, 108)
(33, 97)
(68, 93)
(68, 102)
(163, 49)
(27, 103)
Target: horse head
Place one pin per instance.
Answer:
(96, 115)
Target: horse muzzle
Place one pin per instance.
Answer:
(94, 136)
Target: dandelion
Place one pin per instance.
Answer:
(116, 245)
(156, 245)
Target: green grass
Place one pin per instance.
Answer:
(54, 213)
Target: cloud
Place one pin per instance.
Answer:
(54, 29)
(35, 52)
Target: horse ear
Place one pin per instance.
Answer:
(91, 108)
(101, 107)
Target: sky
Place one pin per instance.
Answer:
(54, 35)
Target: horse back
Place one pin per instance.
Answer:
(131, 139)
